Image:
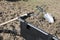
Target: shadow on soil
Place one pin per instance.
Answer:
(13, 0)
(16, 0)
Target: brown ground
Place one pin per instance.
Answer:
(10, 10)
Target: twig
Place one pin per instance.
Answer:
(11, 20)
(8, 21)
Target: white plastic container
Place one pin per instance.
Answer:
(49, 18)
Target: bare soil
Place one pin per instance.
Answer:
(10, 10)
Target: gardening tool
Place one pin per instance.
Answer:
(30, 32)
